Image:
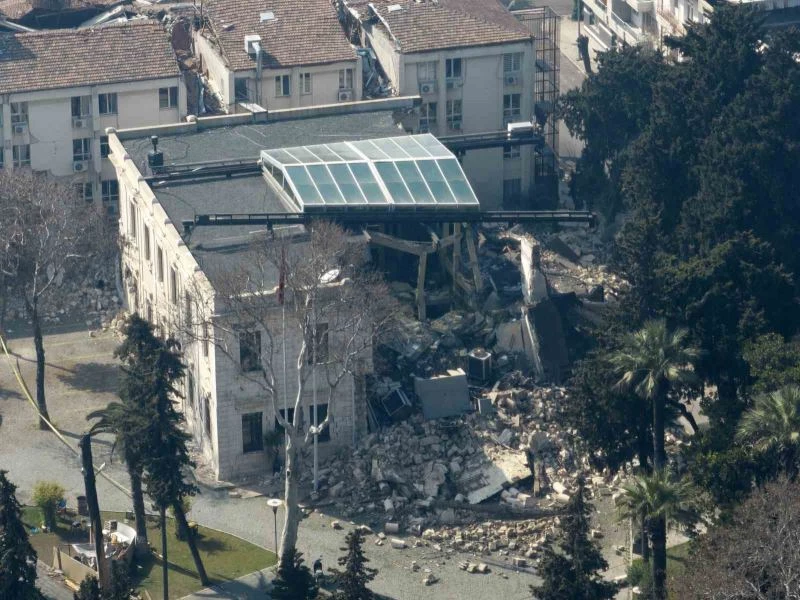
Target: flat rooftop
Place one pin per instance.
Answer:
(220, 248)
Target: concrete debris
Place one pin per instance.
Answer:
(443, 395)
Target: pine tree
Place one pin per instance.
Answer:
(572, 573)
(164, 451)
(295, 582)
(17, 556)
(352, 582)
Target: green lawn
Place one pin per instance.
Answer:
(224, 556)
(676, 562)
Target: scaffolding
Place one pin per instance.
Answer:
(545, 26)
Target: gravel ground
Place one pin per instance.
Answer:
(81, 377)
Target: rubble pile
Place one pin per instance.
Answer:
(93, 299)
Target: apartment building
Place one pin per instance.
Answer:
(473, 64)
(278, 54)
(60, 90)
(172, 269)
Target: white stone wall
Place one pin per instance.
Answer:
(218, 375)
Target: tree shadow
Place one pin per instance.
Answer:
(209, 545)
(10, 394)
(93, 377)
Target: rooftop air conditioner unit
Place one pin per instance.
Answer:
(249, 43)
(479, 365)
(79, 166)
(345, 95)
(20, 128)
(427, 88)
(513, 80)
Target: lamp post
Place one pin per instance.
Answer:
(274, 504)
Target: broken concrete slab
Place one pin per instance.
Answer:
(506, 468)
(443, 396)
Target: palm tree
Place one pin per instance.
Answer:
(127, 424)
(656, 500)
(650, 362)
(773, 424)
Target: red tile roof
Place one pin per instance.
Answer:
(64, 58)
(430, 25)
(18, 9)
(305, 32)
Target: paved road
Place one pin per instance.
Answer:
(81, 377)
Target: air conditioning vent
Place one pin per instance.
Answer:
(79, 166)
(80, 122)
(345, 95)
(428, 87)
(20, 128)
(513, 80)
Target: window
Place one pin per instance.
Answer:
(345, 79)
(207, 415)
(512, 63)
(109, 190)
(305, 83)
(104, 149)
(511, 152)
(453, 114)
(288, 414)
(173, 285)
(190, 397)
(82, 149)
(168, 97)
(318, 352)
(240, 90)
(252, 438)
(322, 412)
(453, 68)
(108, 104)
(148, 310)
(205, 338)
(19, 113)
(160, 264)
(512, 189)
(187, 314)
(84, 191)
(283, 85)
(511, 108)
(21, 155)
(250, 350)
(132, 221)
(426, 71)
(427, 116)
(2, 159)
(146, 242)
(81, 106)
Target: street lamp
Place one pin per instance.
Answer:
(274, 504)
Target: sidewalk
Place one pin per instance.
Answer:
(569, 45)
(252, 586)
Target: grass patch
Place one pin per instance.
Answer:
(225, 557)
(677, 556)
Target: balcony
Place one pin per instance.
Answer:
(667, 19)
(641, 6)
(625, 31)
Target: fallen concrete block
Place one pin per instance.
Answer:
(397, 543)
(391, 527)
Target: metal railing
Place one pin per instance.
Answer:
(626, 27)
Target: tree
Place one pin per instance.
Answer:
(130, 419)
(574, 572)
(319, 290)
(772, 425)
(772, 361)
(48, 237)
(118, 589)
(652, 361)
(47, 495)
(656, 501)
(17, 556)
(165, 456)
(352, 582)
(752, 555)
(88, 590)
(295, 581)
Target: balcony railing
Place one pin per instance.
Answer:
(628, 30)
(667, 15)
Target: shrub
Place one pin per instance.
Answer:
(47, 495)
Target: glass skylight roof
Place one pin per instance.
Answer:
(408, 171)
